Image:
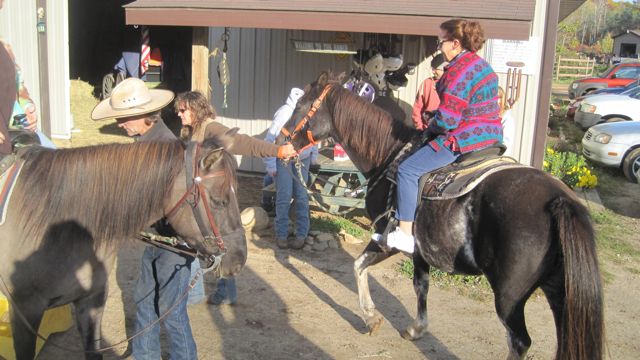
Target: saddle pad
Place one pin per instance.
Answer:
(451, 182)
(7, 183)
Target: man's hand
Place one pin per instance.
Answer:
(286, 152)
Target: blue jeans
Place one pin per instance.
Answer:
(409, 172)
(196, 295)
(164, 277)
(288, 187)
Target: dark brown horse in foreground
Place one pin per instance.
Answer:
(72, 209)
(520, 228)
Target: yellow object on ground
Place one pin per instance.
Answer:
(54, 320)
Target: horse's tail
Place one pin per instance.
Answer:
(581, 328)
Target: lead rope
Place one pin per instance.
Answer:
(223, 68)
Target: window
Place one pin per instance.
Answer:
(628, 72)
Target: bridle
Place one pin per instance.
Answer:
(196, 195)
(289, 136)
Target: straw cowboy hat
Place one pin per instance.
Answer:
(129, 98)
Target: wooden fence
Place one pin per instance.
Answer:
(571, 68)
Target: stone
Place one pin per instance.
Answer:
(254, 218)
(320, 246)
(315, 233)
(324, 237)
(333, 244)
(350, 239)
(309, 240)
(307, 247)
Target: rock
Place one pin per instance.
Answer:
(320, 246)
(333, 244)
(254, 218)
(307, 247)
(324, 237)
(309, 240)
(350, 239)
(315, 233)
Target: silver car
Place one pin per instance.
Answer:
(615, 144)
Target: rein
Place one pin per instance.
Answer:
(193, 196)
(306, 119)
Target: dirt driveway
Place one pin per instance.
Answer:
(303, 305)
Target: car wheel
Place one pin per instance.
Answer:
(631, 165)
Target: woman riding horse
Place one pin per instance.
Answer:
(468, 119)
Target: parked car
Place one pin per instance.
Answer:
(616, 76)
(615, 144)
(575, 104)
(609, 108)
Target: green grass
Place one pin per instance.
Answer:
(475, 287)
(333, 224)
(611, 234)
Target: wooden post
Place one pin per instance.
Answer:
(200, 61)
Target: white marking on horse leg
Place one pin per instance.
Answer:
(362, 279)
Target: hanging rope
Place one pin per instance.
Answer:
(223, 67)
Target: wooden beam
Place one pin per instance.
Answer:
(297, 20)
(200, 61)
(546, 79)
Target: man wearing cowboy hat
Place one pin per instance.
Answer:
(164, 275)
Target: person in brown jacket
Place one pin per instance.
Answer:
(198, 123)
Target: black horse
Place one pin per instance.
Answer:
(72, 209)
(520, 227)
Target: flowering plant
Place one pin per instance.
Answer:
(569, 167)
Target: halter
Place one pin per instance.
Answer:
(312, 111)
(192, 196)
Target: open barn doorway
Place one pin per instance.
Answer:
(99, 39)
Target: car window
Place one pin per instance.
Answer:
(633, 93)
(627, 73)
(631, 85)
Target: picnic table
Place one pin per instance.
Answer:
(336, 186)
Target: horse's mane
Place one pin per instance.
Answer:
(91, 186)
(379, 138)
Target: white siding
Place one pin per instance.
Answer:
(18, 22)
(17, 27)
(58, 61)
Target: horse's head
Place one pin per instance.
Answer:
(204, 211)
(311, 121)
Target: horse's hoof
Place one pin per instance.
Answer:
(374, 324)
(412, 334)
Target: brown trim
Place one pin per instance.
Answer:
(327, 21)
(523, 10)
(544, 88)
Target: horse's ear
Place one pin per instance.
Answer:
(323, 79)
(211, 158)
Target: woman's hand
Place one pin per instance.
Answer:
(32, 117)
(286, 152)
(1, 138)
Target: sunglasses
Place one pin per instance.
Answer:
(440, 42)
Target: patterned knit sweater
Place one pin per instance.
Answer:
(469, 114)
